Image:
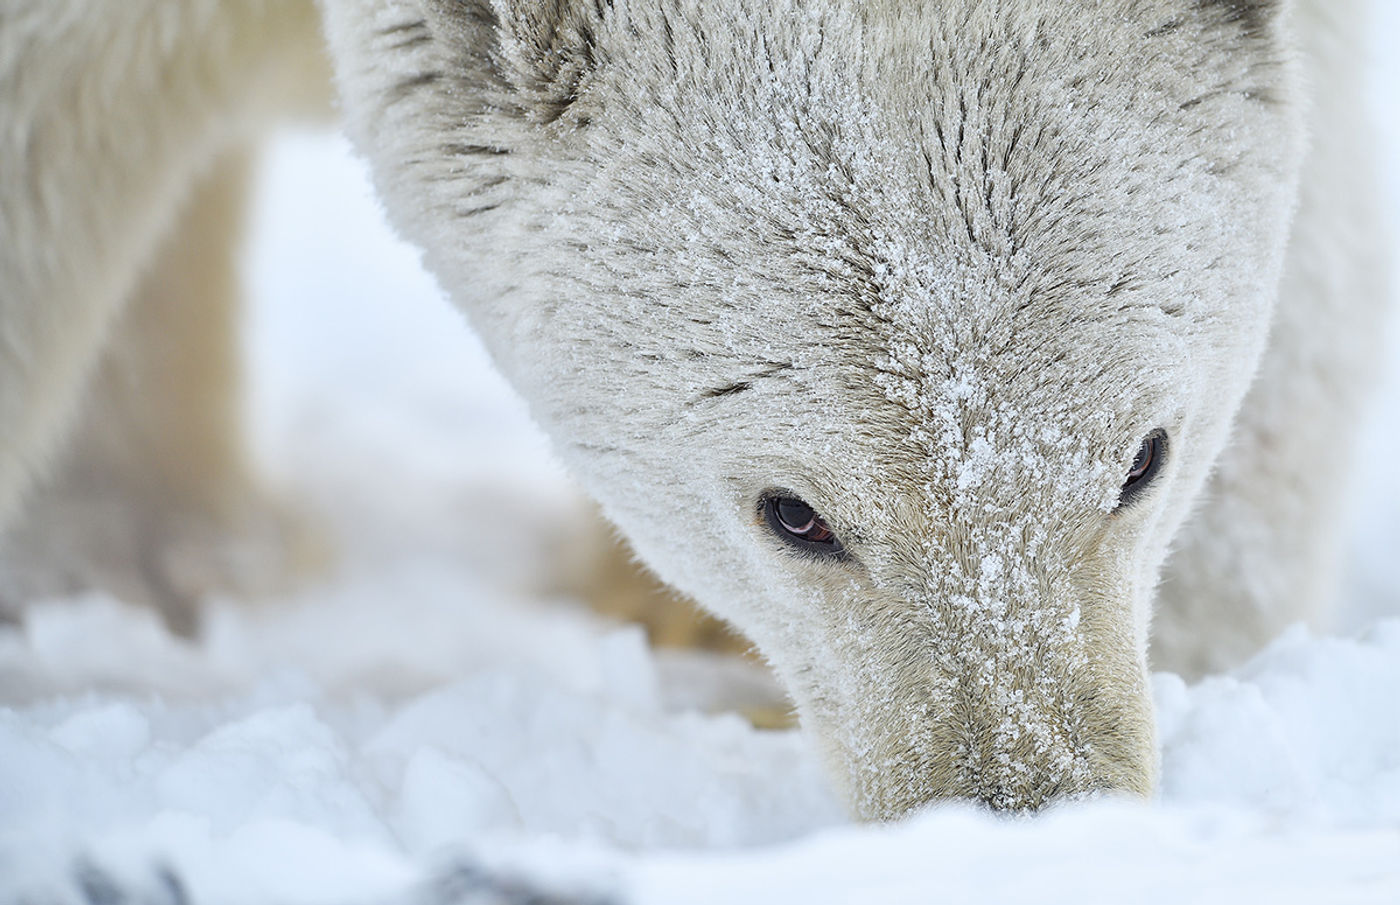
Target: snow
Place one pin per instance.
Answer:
(427, 722)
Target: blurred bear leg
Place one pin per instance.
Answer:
(156, 500)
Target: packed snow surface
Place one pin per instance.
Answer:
(426, 723)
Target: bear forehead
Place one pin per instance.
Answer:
(914, 183)
(858, 139)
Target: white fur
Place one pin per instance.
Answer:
(936, 268)
(110, 115)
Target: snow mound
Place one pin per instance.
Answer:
(286, 781)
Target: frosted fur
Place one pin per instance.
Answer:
(937, 269)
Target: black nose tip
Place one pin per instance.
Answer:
(1022, 801)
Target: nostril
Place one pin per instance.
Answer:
(1013, 801)
(1031, 801)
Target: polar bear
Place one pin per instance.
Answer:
(909, 338)
(124, 134)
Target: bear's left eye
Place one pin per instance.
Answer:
(798, 524)
(1145, 467)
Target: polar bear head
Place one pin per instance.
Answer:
(902, 335)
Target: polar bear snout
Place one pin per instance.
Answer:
(1014, 704)
(1014, 754)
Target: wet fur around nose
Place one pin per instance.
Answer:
(936, 269)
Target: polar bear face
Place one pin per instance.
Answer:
(900, 335)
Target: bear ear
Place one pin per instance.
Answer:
(536, 52)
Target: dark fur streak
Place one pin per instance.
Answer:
(1252, 16)
(669, 43)
(411, 41)
(596, 447)
(404, 87)
(416, 25)
(727, 390)
(938, 132)
(1200, 99)
(455, 149)
(928, 164)
(1165, 28)
(739, 386)
(473, 211)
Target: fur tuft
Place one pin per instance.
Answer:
(542, 50)
(1254, 17)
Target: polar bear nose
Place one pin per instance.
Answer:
(1009, 798)
(1067, 744)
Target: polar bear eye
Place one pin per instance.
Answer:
(798, 524)
(1145, 467)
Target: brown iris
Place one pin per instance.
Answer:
(799, 524)
(1146, 465)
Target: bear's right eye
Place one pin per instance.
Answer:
(798, 524)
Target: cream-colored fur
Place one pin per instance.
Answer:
(123, 134)
(154, 498)
(935, 268)
(1262, 553)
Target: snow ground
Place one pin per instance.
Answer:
(425, 717)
